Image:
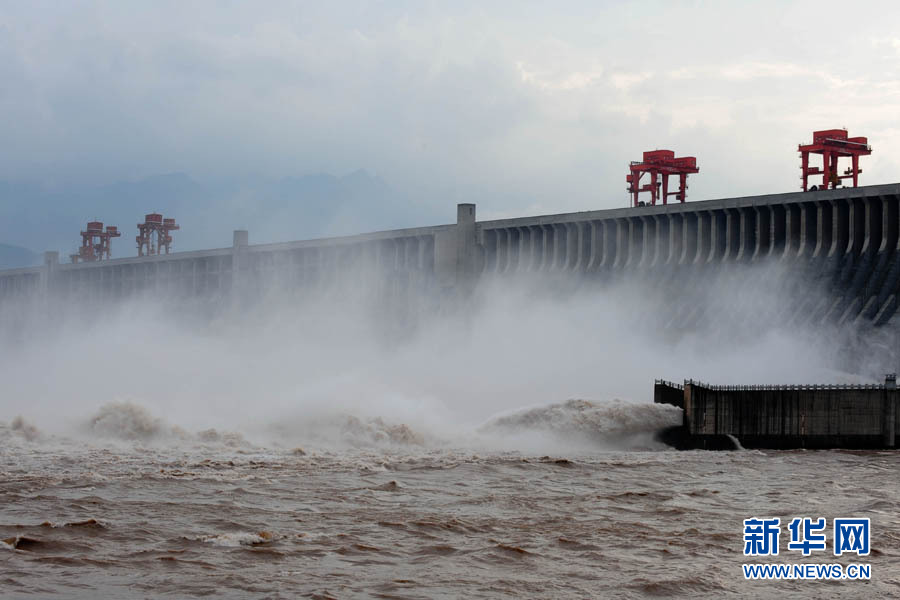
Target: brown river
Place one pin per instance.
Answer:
(131, 507)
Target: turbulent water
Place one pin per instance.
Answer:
(129, 505)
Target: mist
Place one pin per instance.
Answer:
(339, 365)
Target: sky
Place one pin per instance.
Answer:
(521, 107)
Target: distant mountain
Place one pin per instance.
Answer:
(13, 257)
(51, 219)
(316, 205)
(274, 210)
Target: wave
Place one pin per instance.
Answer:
(377, 431)
(606, 423)
(127, 421)
(390, 486)
(569, 425)
(344, 430)
(236, 540)
(20, 429)
(90, 523)
(227, 438)
(20, 542)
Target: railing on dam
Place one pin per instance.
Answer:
(845, 240)
(776, 387)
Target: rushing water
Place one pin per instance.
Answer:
(133, 507)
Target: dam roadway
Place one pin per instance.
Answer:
(843, 244)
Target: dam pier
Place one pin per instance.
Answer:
(782, 416)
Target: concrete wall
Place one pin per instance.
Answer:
(846, 238)
(798, 416)
(667, 392)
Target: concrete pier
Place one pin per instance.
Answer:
(788, 416)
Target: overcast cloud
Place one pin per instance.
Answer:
(521, 107)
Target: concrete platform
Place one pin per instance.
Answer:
(782, 416)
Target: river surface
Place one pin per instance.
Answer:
(211, 514)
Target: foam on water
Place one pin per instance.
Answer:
(19, 430)
(586, 424)
(603, 418)
(570, 425)
(610, 424)
(127, 421)
(236, 540)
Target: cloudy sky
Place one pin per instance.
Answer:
(521, 107)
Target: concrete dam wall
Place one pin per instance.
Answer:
(790, 416)
(836, 250)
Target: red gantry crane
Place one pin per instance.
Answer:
(833, 144)
(95, 242)
(154, 235)
(660, 164)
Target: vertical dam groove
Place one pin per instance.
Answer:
(842, 243)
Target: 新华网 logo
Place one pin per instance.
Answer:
(807, 535)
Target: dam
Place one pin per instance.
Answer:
(843, 243)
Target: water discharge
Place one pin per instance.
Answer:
(295, 361)
(337, 446)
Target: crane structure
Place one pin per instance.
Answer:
(154, 234)
(833, 144)
(95, 242)
(660, 164)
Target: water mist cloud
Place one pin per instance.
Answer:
(336, 367)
